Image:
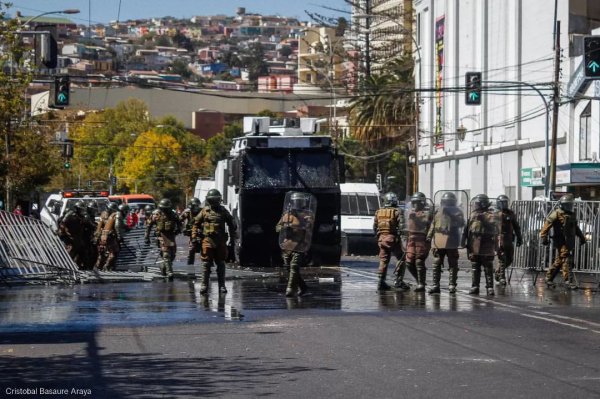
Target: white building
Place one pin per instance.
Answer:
(503, 151)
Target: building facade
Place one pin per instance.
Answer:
(500, 146)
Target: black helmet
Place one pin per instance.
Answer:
(418, 200)
(213, 197)
(92, 208)
(194, 203)
(124, 208)
(80, 207)
(165, 204)
(390, 199)
(113, 207)
(448, 199)
(299, 200)
(567, 202)
(481, 202)
(148, 209)
(502, 202)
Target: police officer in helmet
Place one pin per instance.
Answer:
(167, 228)
(386, 225)
(210, 233)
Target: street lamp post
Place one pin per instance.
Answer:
(67, 11)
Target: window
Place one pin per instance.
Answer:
(585, 134)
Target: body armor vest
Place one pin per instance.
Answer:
(418, 221)
(214, 222)
(387, 220)
(483, 223)
(166, 223)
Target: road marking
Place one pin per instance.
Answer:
(534, 314)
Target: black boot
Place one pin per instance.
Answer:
(452, 278)
(489, 278)
(221, 277)
(476, 278)
(205, 279)
(292, 282)
(399, 282)
(382, 285)
(437, 272)
(421, 276)
(302, 287)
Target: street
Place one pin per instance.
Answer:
(161, 339)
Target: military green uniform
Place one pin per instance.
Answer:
(481, 238)
(509, 230)
(90, 245)
(565, 228)
(109, 244)
(386, 226)
(445, 234)
(167, 228)
(187, 221)
(294, 225)
(70, 231)
(209, 230)
(418, 223)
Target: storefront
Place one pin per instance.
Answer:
(582, 179)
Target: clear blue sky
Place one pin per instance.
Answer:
(108, 10)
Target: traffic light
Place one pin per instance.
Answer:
(67, 149)
(473, 88)
(46, 48)
(113, 180)
(67, 165)
(61, 91)
(591, 57)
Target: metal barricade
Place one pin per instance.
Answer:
(532, 255)
(30, 251)
(135, 254)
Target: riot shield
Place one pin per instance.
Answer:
(297, 220)
(418, 217)
(449, 221)
(484, 229)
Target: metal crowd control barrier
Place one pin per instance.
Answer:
(533, 256)
(30, 251)
(136, 255)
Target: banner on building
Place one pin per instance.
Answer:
(439, 81)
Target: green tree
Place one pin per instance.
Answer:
(27, 159)
(180, 67)
(254, 60)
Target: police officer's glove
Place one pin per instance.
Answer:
(519, 242)
(545, 241)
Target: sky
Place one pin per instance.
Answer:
(108, 10)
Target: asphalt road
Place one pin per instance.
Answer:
(164, 340)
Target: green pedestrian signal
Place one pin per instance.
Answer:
(473, 88)
(61, 91)
(67, 165)
(591, 56)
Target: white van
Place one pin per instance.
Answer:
(359, 203)
(58, 204)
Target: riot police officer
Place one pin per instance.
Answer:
(295, 236)
(167, 228)
(509, 230)
(110, 237)
(187, 221)
(563, 221)
(209, 231)
(89, 230)
(386, 226)
(70, 231)
(418, 223)
(480, 237)
(445, 234)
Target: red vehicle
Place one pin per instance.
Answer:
(135, 201)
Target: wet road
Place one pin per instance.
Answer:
(160, 339)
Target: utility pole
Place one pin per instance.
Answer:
(552, 173)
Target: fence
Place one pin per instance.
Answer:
(135, 254)
(30, 251)
(532, 255)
